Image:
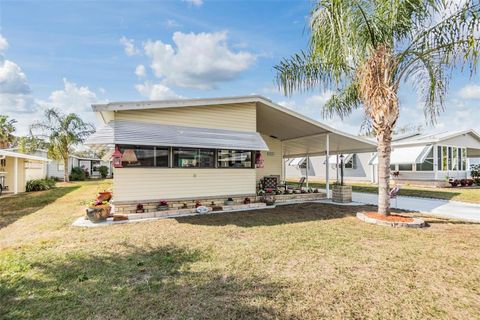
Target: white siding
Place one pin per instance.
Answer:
(240, 117)
(273, 158)
(140, 184)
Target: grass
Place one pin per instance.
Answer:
(470, 194)
(307, 261)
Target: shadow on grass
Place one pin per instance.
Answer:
(284, 214)
(158, 283)
(15, 207)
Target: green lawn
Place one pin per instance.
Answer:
(471, 194)
(307, 261)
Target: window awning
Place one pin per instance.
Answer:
(152, 134)
(409, 155)
(333, 159)
(296, 162)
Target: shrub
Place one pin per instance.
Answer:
(103, 171)
(475, 172)
(77, 174)
(40, 185)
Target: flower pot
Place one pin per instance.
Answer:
(229, 203)
(98, 213)
(104, 196)
(162, 208)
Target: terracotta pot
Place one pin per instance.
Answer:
(104, 196)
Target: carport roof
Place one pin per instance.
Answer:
(21, 156)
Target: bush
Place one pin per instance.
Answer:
(77, 174)
(475, 172)
(40, 185)
(103, 171)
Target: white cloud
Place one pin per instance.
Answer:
(196, 3)
(318, 100)
(197, 60)
(140, 71)
(3, 44)
(170, 23)
(470, 92)
(129, 46)
(156, 91)
(12, 79)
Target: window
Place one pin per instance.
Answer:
(405, 167)
(352, 163)
(60, 167)
(193, 158)
(393, 167)
(234, 159)
(459, 162)
(144, 156)
(444, 159)
(95, 166)
(464, 159)
(3, 163)
(439, 158)
(426, 165)
(454, 158)
(450, 165)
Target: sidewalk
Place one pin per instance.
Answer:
(437, 207)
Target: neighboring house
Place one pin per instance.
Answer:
(417, 158)
(55, 168)
(13, 170)
(201, 148)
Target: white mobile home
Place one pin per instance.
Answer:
(200, 148)
(417, 158)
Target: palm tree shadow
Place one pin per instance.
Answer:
(15, 207)
(284, 214)
(151, 283)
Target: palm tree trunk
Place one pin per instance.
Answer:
(384, 141)
(65, 169)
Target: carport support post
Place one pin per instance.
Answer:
(15, 175)
(306, 173)
(327, 165)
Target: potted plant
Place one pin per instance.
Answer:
(184, 206)
(104, 196)
(98, 211)
(215, 207)
(269, 199)
(162, 206)
(140, 208)
(247, 201)
(197, 204)
(229, 202)
(261, 192)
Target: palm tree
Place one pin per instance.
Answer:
(364, 50)
(63, 133)
(7, 127)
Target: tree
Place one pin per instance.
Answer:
(7, 128)
(63, 133)
(365, 49)
(29, 144)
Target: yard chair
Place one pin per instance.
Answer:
(394, 194)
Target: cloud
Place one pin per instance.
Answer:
(129, 46)
(470, 92)
(197, 61)
(3, 44)
(156, 91)
(196, 3)
(318, 100)
(140, 71)
(12, 79)
(170, 23)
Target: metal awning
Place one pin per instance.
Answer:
(153, 134)
(297, 161)
(333, 159)
(408, 155)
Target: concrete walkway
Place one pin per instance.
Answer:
(436, 207)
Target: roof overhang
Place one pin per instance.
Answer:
(299, 134)
(5, 153)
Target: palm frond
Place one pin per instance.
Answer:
(343, 102)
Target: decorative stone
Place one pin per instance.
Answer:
(416, 223)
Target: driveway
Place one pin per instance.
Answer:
(437, 207)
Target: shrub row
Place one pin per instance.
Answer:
(40, 185)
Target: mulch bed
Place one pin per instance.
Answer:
(390, 218)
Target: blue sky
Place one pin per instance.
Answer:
(69, 54)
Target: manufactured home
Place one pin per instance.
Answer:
(13, 170)
(417, 158)
(201, 148)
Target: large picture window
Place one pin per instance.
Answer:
(426, 165)
(193, 158)
(144, 156)
(234, 159)
(405, 167)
